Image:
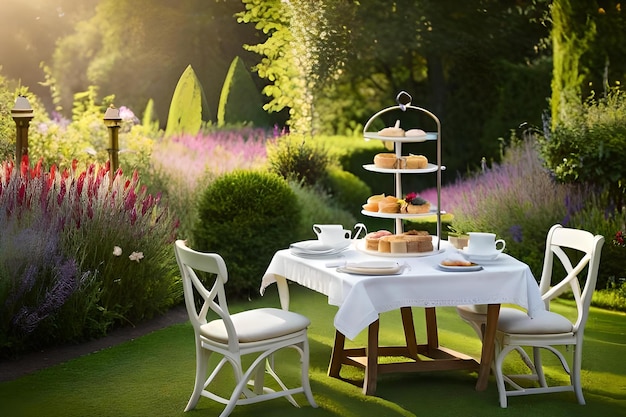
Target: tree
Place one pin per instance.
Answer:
(137, 49)
(589, 49)
(240, 101)
(189, 107)
(356, 56)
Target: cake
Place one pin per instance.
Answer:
(372, 239)
(385, 160)
(384, 245)
(385, 242)
(416, 161)
(414, 204)
(395, 131)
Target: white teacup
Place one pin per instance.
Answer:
(484, 244)
(334, 235)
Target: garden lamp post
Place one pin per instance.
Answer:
(112, 120)
(22, 114)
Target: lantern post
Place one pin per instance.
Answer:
(112, 120)
(22, 114)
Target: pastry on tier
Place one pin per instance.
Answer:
(416, 161)
(404, 243)
(414, 204)
(415, 133)
(389, 204)
(372, 239)
(385, 160)
(372, 202)
(395, 131)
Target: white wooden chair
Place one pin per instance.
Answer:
(548, 329)
(261, 332)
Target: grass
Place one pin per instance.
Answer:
(153, 375)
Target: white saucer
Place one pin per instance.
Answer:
(315, 248)
(474, 257)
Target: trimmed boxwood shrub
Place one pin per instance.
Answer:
(347, 190)
(246, 216)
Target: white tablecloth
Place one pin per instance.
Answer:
(362, 298)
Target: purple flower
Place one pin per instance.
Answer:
(516, 233)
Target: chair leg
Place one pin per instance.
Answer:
(500, 376)
(575, 375)
(202, 362)
(306, 385)
(541, 377)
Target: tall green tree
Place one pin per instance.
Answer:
(449, 54)
(189, 107)
(589, 49)
(137, 49)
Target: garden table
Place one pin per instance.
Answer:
(361, 298)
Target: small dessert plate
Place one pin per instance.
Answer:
(372, 268)
(460, 268)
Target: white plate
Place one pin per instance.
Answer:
(421, 138)
(361, 245)
(433, 210)
(317, 255)
(317, 247)
(372, 268)
(468, 268)
(429, 168)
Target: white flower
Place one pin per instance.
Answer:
(136, 256)
(117, 251)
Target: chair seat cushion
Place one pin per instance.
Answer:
(258, 324)
(516, 321)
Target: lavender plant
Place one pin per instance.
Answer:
(518, 199)
(181, 165)
(61, 256)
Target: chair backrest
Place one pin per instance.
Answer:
(578, 242)
(198, 299)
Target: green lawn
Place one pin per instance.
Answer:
(153, 376)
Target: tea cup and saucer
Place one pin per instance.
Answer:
(483, 247)
(331, 240)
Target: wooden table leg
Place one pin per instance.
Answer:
(432, 336)
(337, 355)
(409, 331)
(486, 357)
(371, 367)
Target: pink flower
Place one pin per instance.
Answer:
(117, 251)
